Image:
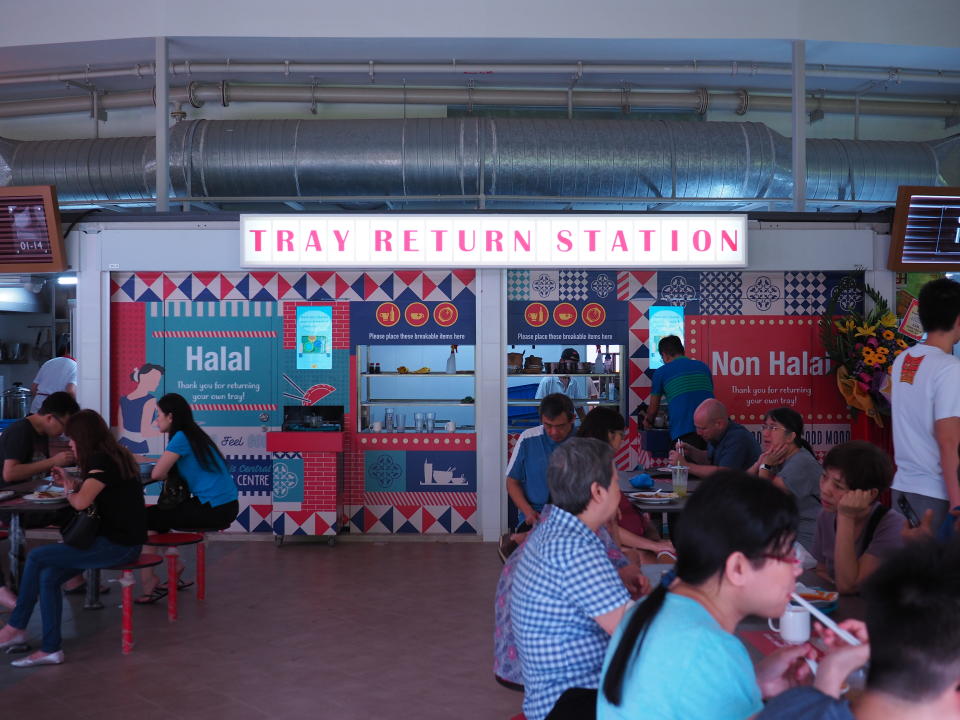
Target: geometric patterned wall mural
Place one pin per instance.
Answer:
(267, 299)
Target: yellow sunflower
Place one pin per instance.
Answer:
(902, 343)
(888, 335)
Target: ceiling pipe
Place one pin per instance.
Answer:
(372, 68)
(225, 93)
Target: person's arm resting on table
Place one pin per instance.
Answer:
(15, 471)
(164, 463)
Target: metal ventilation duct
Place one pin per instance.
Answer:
(537, 158)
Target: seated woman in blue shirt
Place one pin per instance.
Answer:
(213, 501)
(675, 655)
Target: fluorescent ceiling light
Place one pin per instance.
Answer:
(67, 280)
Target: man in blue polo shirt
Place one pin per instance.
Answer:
(527, 470)
(685, 383)
(567, 598)
(729, 444)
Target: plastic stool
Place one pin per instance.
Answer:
(171, 541)
(127, 582)
(201, 557)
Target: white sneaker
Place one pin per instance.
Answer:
(54, 658)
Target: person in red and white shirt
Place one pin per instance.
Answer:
(926, 408)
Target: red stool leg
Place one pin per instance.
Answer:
(202, 569)
(126, 634)
(172, 554)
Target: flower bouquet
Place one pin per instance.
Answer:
(862, 348)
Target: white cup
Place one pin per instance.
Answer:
(794, 625)
(451, 426)
(377, 426)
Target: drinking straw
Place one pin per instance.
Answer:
(843, 634)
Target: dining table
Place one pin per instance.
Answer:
(670, 509)
(21, 506)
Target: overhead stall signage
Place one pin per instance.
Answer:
(399, 322)
(565, 307)
(495, 241)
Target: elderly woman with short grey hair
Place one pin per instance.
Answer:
(567, 597)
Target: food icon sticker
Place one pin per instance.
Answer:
(536, 314)
(593, 314)
(416, 314)
(564, 315)
(388, 314)
(445, 314)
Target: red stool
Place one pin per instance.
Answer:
(521, 716)
(201, 557)
(127, 582)
(171, 541)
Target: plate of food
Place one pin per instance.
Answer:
(50, 495)
(657, 497)
(824, 600)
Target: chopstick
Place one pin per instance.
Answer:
(843, 634)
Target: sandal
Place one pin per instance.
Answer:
(181, 584)
(158, 593)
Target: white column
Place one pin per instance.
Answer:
(91, 340)
(491, 402)
(799, 126)
(162, 102)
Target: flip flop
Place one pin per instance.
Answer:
(158, 593)
(181, 584)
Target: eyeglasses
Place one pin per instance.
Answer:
(771, 428)
(792, 557)
(558, 425)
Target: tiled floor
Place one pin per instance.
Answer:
(357, 632)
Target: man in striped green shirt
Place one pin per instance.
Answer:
(685, 383)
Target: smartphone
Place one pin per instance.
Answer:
(907, 511)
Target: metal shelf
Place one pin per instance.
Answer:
(417, 402)
(575, 401)
(420, 375)
(596, 375)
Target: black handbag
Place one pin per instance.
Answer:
(82, 529)
(175, 490)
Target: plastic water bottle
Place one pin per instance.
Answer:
(598, 363)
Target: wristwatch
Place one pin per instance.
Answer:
(764, 466)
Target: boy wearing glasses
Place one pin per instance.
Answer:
(24, 455)
(25, 445)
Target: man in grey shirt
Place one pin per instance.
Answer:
(729, 444)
